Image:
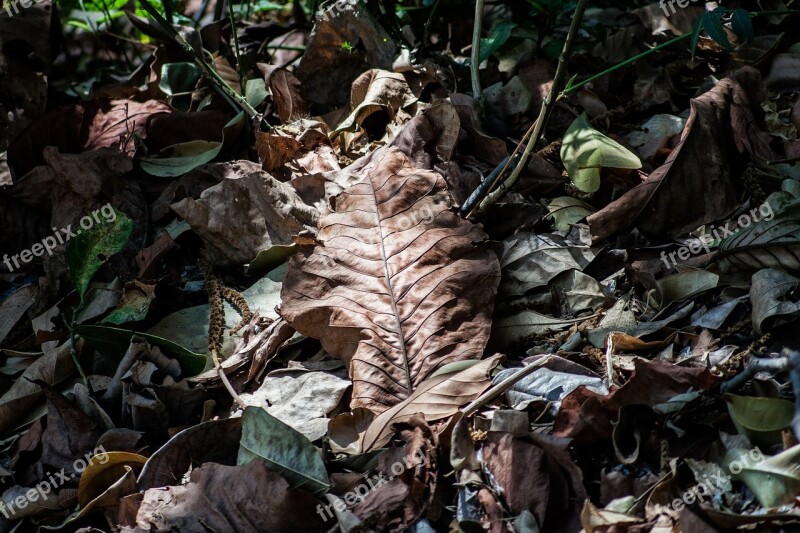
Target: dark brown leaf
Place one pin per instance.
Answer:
(396, 287)
(697, 184)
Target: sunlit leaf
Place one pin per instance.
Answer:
(585, 151)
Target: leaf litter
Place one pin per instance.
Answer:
(322, 304)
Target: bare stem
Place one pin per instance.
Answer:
(547, 108)
(475, 60)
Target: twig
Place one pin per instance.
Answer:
(220, 84)
(756, 365)
(475, 60)
(483, 188)
(547, 107)
(610, 360)
(501, 387)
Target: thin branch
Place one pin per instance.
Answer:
(547, 107)
(501, 387)
(475, 60)
(219, 83)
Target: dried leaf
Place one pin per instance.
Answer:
(229, 498)
(438, 397)
(773, 294)
(53, 367)
(243, 215)
(529, 261)
(696, 185)
(772, 242)
(396, 287)
(13, 307)
(346, 41)
(215, 441)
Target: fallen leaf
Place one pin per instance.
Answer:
(214, 441)
(585, 151)
(774, 480)
(393, 238)
(696, 185)
(54, 367)
(436, 398)
(229, 498)
(345, 41)
(283, 450)
(300, 399)
(774, 299)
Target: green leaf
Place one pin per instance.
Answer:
(742, 24)
(115, 341)
(89, 249)
(761, 420)
(497, 38)
(712, 24)
(269, 259)
(255, 91)
(178, 78)
(187, 156)
(570, 83)
(567, 210)
(774, 480)
(283, 450)
(585, 151)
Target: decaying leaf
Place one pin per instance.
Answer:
(53, 367)
(770, 240)
(774, 298)
(696, 184)
(436, 398)
(396, 287)
(529, 260)
(229, 498)
(245, 214)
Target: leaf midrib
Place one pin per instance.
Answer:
(399, 331)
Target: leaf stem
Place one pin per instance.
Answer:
(235, 44)
(73, 351)
(475, 60)
(572, 88)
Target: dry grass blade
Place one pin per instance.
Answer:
(396, 286)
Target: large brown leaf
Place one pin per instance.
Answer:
(698, 182)
(395, 286)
